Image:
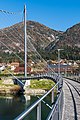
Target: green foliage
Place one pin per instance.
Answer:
(0, 82)
(8, 58)
(70, 53)
(42, 84)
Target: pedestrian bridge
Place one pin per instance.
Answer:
(21, 81)
(54, 105)
(67, 104)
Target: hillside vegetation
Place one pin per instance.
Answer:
(41, 38)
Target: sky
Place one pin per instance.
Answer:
(56, 14)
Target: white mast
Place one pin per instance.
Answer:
(25, 43)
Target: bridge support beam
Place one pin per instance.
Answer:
(39, 111)
(52, 100)
(27, 84)
(25, 43)
(53, 97)
(16, 82)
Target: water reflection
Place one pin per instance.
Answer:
(12, 106)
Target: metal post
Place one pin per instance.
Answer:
(52, 101)
(59, 61)
(25, 42)
(39, 111)
(59, 110)
(59, 66)
(52, 96)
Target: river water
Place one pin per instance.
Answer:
(12, 106)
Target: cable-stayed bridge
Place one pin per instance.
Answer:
(66, 105)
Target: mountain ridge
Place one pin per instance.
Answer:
(40, 37)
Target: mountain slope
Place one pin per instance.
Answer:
(39, 35)
(44, 39)
(71, 37)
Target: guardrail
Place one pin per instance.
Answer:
(56, 112)
(52, 76)
(55, 108)
(21, 81)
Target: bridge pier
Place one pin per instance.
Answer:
(16, 82)
(27, 84)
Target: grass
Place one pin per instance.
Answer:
(8, 88)
(42, 84)
(0, 82)
(6, 85)
(34, 84)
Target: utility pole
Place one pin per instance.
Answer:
(59, 61)
(25, 43)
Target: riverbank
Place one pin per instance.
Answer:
(36, 86)
(39, 86)
(7, 87)
(30, 91)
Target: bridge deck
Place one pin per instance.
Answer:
(71, 107)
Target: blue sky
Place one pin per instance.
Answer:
(56, 14)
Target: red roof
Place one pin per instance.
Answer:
(21, 70)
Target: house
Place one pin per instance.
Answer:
(64, 68)
(15, 64)
(2, 66)
(20, 70)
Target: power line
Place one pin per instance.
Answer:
(7, 36)
(21, 36)
(7, 12)
(11, 50)
(13, 30)
(10, 39)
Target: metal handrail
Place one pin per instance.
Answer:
(52, 76)
(54, 107)
(38, 104)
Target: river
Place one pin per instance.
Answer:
(12, 106)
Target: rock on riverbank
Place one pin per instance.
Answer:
(7, 89)
(34, 91)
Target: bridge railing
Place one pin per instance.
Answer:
(55, 108)
(56, 112)
(52, 76)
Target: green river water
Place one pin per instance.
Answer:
(12, 106)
